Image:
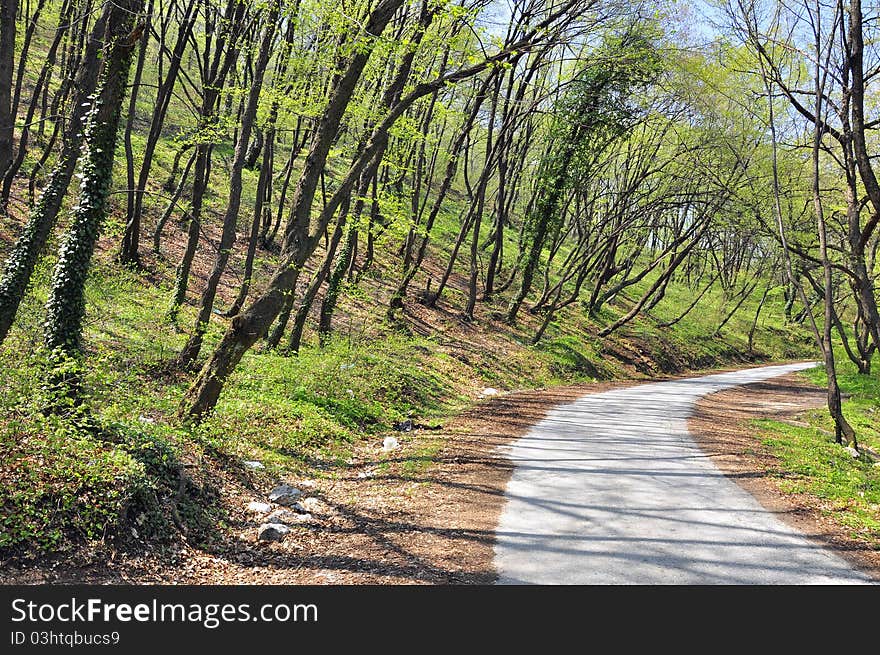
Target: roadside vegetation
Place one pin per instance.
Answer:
(845, 487)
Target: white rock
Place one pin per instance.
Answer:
(287, 517)
(258, 507)
(311, 505)
(146, 419)
(855, 454)
(390, 443)
(273, 531)
(254, 465)
(489, 391)
(285, 494)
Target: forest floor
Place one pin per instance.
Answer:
(427, 515)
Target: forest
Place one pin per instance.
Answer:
(243, 240)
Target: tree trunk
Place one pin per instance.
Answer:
(131, 238)
(23, 258)
(65, 306)
(8, 10)
(302, 312)
(202, 172)
(193, 347)
(128, 254)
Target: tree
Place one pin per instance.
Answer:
(22, 259)
(65, 306)
(591, 115)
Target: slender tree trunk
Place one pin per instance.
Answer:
(65, 306)
(227, 53)
(193, 347)
(129, 252)
(131, 237)
(843, 432)
(8, 10)
(23, 258)
(172, 204)
(302, 312)
(24, 135)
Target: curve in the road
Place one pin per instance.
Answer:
(611, 489)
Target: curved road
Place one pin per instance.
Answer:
(611, 489)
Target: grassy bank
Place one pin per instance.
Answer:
(845, 489)
(130, 475)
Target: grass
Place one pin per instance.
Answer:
(65, 486)
(845, 489)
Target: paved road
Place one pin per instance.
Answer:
(611, 489)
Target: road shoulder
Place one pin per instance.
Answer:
(721, 427)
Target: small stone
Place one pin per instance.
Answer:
(489, 391)
(254, 465)
(855, 454)
(286, 517)
(258, 507)
(285, 494)
(310, 505)
(273, 531)
(327, 575)
(390, 443)
(146, 419)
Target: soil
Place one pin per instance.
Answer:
(381, 521)
(720, 426)
(423, 515)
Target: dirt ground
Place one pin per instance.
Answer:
(413, 517)
(380, 521)
(720, 426)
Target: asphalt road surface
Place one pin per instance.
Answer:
(611, 489)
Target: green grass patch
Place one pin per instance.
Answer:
(849, 488)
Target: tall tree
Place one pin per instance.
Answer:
(8, 11)
(230, 219)
(65, 306)
(22, 259)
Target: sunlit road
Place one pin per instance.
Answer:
(611, 489)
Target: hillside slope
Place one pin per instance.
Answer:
(132, 477)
